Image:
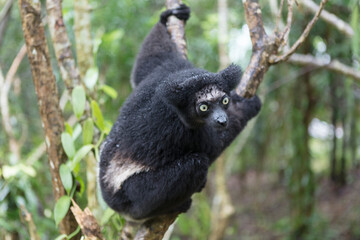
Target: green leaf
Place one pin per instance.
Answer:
(66, 177)
(88, 131)
(77, 131)
(78, 100)
(111, 92)
(61, 208)
(91, 77)
(68, 144)
(68, 128)
(97, 115)
(83, 151)
(107, 215)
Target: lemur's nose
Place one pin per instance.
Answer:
(222, 121)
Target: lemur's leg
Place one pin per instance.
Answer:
(167, 189)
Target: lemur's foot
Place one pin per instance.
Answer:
(182, 13)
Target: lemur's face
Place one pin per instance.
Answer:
(211, 104)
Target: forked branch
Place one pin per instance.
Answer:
(265, 48)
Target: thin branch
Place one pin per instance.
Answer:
(5, 9)
(278, 17)
(176, 28)
(5, 85)
(62, 45)
(84, 43)
(333, 65)
(328, 17)
(15, 66)
(286, 32)
(4, 18)
(223, 33)
(276, 59)
(26, 218)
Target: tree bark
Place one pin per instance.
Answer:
(176, 28)
(84, 43)
(48, 100)
(335, 112)
(62, 46)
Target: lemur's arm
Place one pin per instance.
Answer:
(167, 189)
(157, 46)
(240, 111)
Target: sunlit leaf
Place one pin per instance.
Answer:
(78, 100)
(77, 131)
(97, 115)
(68, 144)
(88, 131)
(83, 151)
(91, 77)
(68, 128)
(111, 92)
(66, 177)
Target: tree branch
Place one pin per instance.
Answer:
(5, 85)
(328, 17)
(276, 59)
(155, 228)
(286, 32)
(62, 45)
(48, 100)
(84, 43)
(4, 17)
(333, 65)
(263, 47)
(87, 222)
(26, 218)
(176, 28)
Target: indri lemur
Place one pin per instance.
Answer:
(173, 126)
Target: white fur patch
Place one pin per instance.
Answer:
(121, 169)
(209, 94)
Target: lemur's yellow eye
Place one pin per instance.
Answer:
(225, 100)
(203, 107)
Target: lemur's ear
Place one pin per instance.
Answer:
(231, 75)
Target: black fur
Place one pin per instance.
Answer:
(158, 127)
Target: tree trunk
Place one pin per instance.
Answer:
(301, 185)
(343, 112)
(334, 117)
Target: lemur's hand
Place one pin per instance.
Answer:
(182, 13)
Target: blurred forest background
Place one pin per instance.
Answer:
(292, 174)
